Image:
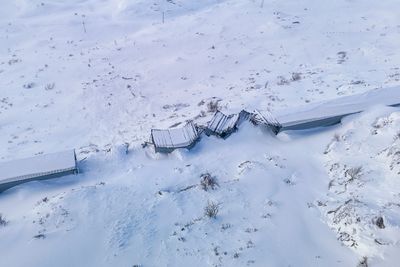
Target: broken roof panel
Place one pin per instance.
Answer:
(35, 168)
(166, 140)
(266, 118)
(222, 124)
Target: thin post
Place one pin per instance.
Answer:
(83, 23)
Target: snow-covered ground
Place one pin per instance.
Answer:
(97, 75)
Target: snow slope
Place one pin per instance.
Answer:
(140, 216)
(97, 75)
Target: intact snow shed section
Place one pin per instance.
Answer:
(167, 140)
(40, 167)
(332, 112)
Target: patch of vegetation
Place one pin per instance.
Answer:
(213, 106)
(380, 223)
(363, 262)
(3, 221)
(296, 76)
(39, 236)
(208, 182)
(211, 210)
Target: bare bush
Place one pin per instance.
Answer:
(213, 106)
(40, 236)
(342, 56)
(288, 181)
(396, 136)
(379, 222)
(211, 210)
(29, 85)
(282, 81)
(363, 262)
(296, 76)
(208, 182)
(336, 137)
(3, 221)
(49, 86)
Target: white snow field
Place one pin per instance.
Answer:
(98, 75)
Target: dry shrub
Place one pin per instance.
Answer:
(208, 182)
(211, 210)
(213, 106)
(3, 221)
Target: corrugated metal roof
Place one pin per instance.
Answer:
(266, 118)
(170, 139)
(222, 124)
(42, 165)
(330, 112)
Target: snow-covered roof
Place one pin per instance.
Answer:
(170, 139)
(41, 165)
(331, 112)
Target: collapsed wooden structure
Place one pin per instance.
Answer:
(311, 116)
(40, 167)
